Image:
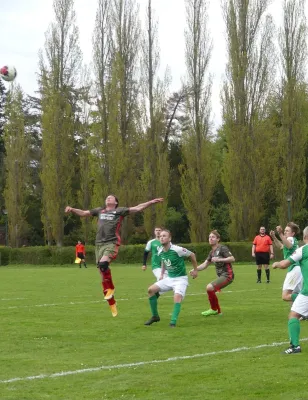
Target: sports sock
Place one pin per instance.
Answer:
(157, 294)
(294, 328)
(107, 279)
(153, 305)
(293, 296)
(267, 271)
(259, 273)
(213, 299)
(175, 313)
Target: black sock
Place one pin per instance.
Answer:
(259, 272)
(267, 271)
(157, 294)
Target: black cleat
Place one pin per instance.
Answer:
(172, 325)
(152, 320)
(268, 281)
(293, 350)
(258, 281)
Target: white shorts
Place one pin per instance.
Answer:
(293, 280)
(300, 305)
(157, 272)
(178, 285)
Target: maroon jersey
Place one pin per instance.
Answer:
(109, 224)
(221, 267)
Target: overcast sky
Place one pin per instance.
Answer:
(23, 24)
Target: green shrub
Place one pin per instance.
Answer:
(130, 254)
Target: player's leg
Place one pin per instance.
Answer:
(259, 268)
(160, 286)
(179, 288)
(298, 309)
(292, 284)
(267, 272)
(157, 273)
(105, 254)
(211, 289)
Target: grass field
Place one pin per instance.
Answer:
(59, 340)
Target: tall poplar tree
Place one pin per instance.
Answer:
(17, 167)
(59, 68)
(155, 176)
(292, 108)
(199, 167)
(249, 79)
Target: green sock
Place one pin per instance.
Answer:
(293, 296)
(175, 313)
(153, 305)
(294, 328)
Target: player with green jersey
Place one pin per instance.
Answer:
(300, 306)
(172, 260)
(294, 280)
(152, 247)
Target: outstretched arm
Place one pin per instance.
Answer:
(281, 264)
(80, 213)
(143, 206)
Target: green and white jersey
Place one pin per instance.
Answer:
(173, 260)
(153, 246)
(301, 256)
(288, 252)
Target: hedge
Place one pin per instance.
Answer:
(130, 254)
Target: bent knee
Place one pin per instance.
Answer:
(210, 288)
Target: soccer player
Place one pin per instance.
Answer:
(81, 253)
(288, 243)
(172, 260)
(222, 257)
(262, 250)
(108, 238)
(300, 306)
(152, 247)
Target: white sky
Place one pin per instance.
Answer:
(23, 24)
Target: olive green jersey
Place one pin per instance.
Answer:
(109, 224)
(153, 246)
(173, 260)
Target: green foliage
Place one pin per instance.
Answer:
(53, 255)
(176, 222)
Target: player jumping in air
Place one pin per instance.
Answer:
(108, 239)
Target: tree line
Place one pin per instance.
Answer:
(116, 127)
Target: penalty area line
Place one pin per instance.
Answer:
(142, 363)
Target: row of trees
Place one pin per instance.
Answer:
(116, 128)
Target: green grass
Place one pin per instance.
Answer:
(54, 320)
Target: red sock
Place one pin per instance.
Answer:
(107, 279)
(213, 300)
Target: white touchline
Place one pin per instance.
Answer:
(72, 303)
(141, 363)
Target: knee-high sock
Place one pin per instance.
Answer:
(107, 279)
(153, 305)
(175, 313)
(267, 271)
(259, 273)
(213, 300)
(294, 329)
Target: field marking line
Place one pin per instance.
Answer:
(142, 363)
(102, 300)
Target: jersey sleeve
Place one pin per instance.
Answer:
(95, 211)
(225, 252)
(291, 240)
(182, 252)
(148, 246)
(123, 211)
(296, 256)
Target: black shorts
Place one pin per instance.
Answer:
(80, 255)
(262, 258)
